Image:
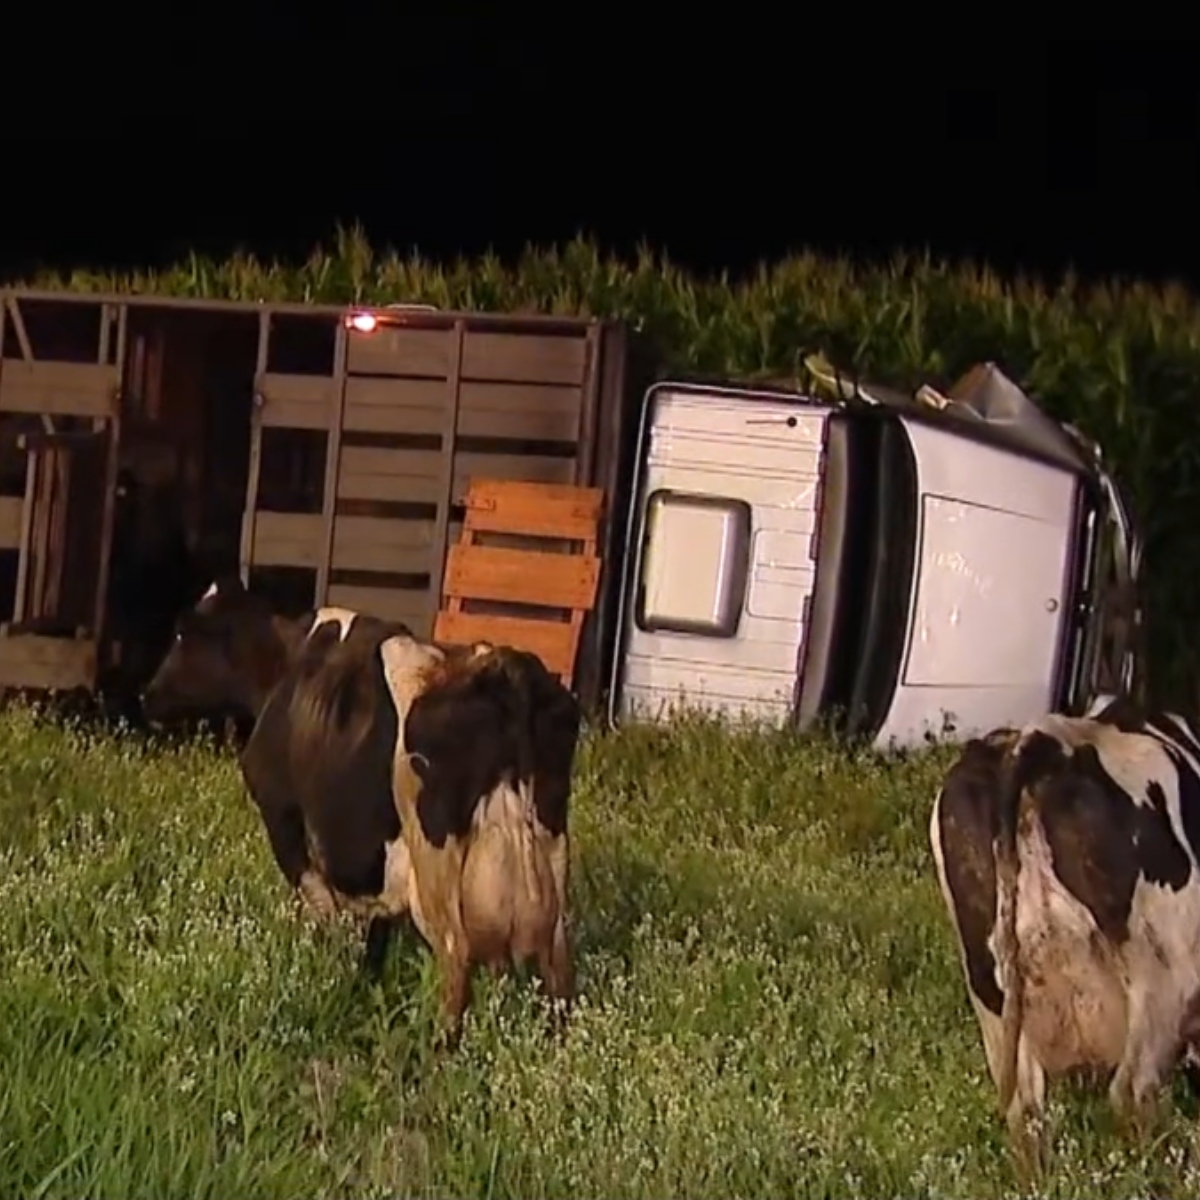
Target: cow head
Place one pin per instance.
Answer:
(224, 658)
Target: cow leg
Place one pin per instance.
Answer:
(455, 971)
(1025, 1112)
(1190, 1065)
(316, 895)
(1028, 1099)
(379, 936)
(285, 831)
(555, 966)
(555, 959)
(1151, 1051)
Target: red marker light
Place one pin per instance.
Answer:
(364, 322)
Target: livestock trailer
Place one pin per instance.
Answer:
(904, 566)
(321, 451)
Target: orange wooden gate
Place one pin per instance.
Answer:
(538, 597)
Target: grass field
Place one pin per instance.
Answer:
(772, 1003)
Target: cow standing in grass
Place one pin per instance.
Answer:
(393, 777)
(1067, 854)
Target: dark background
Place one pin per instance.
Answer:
(724, 144)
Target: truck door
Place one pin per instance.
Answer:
(59, 399)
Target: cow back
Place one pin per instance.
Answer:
(324, 745)
(485, 720)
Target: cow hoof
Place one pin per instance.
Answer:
(1142, 1124)
(1027, 1148)
(558, 1018)
(1028, 1166)
(446, 1042)
(449, 1031)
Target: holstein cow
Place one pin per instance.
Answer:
(1067, 855)
(153, 573)
(395, 777)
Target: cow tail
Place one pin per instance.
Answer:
(1005, 946)
(529, 846)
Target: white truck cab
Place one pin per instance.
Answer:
(900, 567)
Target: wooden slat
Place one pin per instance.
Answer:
(537, 510)
(400, 351)
(61, 389)
(521, 576)
(535, 412)
(366, 473)
(394, 405)
(552, 641)
(390, 604)
(12, 509)
(524, 358)
(287, 539)
(296, 401)
(381, 544)
(44, 663)
(388, 489)
(530, 468)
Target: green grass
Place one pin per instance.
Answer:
(771, 998)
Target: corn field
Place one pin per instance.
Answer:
(1121, 361)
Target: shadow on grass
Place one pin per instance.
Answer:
(121, 717)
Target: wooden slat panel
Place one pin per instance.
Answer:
(381, 544)
(287, 539)
(542, 413)
(389, 604)
(394, 405)
(521, 576)
(30, 661)
(552, 641)
(386, 489)
(296, 401)
(524, 358)
(540, 510)
(12, 508)
(400, 351)
(62, 389)
(370, 474)
(533, 468)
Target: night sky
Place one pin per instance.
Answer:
(724, 152)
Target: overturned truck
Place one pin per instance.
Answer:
(788, 553)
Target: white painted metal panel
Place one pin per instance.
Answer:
(767, 453)
(975, 559)
(989, 593)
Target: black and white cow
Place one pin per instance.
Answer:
(1067, 854)
(395, 777)
(154, 574)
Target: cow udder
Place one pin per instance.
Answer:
(509, 898)
(1076, 1010)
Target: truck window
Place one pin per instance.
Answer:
(695, 562)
